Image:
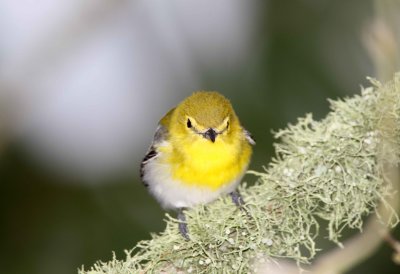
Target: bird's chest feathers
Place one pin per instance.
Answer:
(207, 164)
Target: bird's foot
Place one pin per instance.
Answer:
(183, 229)
(237, 198)
(238, 201)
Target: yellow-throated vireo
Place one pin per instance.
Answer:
(200, 151)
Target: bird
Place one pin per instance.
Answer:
(200, 151)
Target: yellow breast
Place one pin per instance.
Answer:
(206, 164)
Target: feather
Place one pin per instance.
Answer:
(249, 137)
(159, 137)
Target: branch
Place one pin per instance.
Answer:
(381, 39)
(322, 170)
(375, 232)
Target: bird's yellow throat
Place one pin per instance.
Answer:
(205, 164)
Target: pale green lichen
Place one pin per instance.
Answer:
(322, 170)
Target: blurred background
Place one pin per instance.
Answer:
(84, 83)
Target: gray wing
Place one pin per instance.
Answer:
(159, 136)
(249, 137)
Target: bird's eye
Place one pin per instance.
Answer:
(189, 123)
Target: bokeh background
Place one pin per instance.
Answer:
(84, 83)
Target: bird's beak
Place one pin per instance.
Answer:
(210, 134)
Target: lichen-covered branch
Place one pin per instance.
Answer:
(326, 169)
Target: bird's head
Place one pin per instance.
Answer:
(205, 116)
